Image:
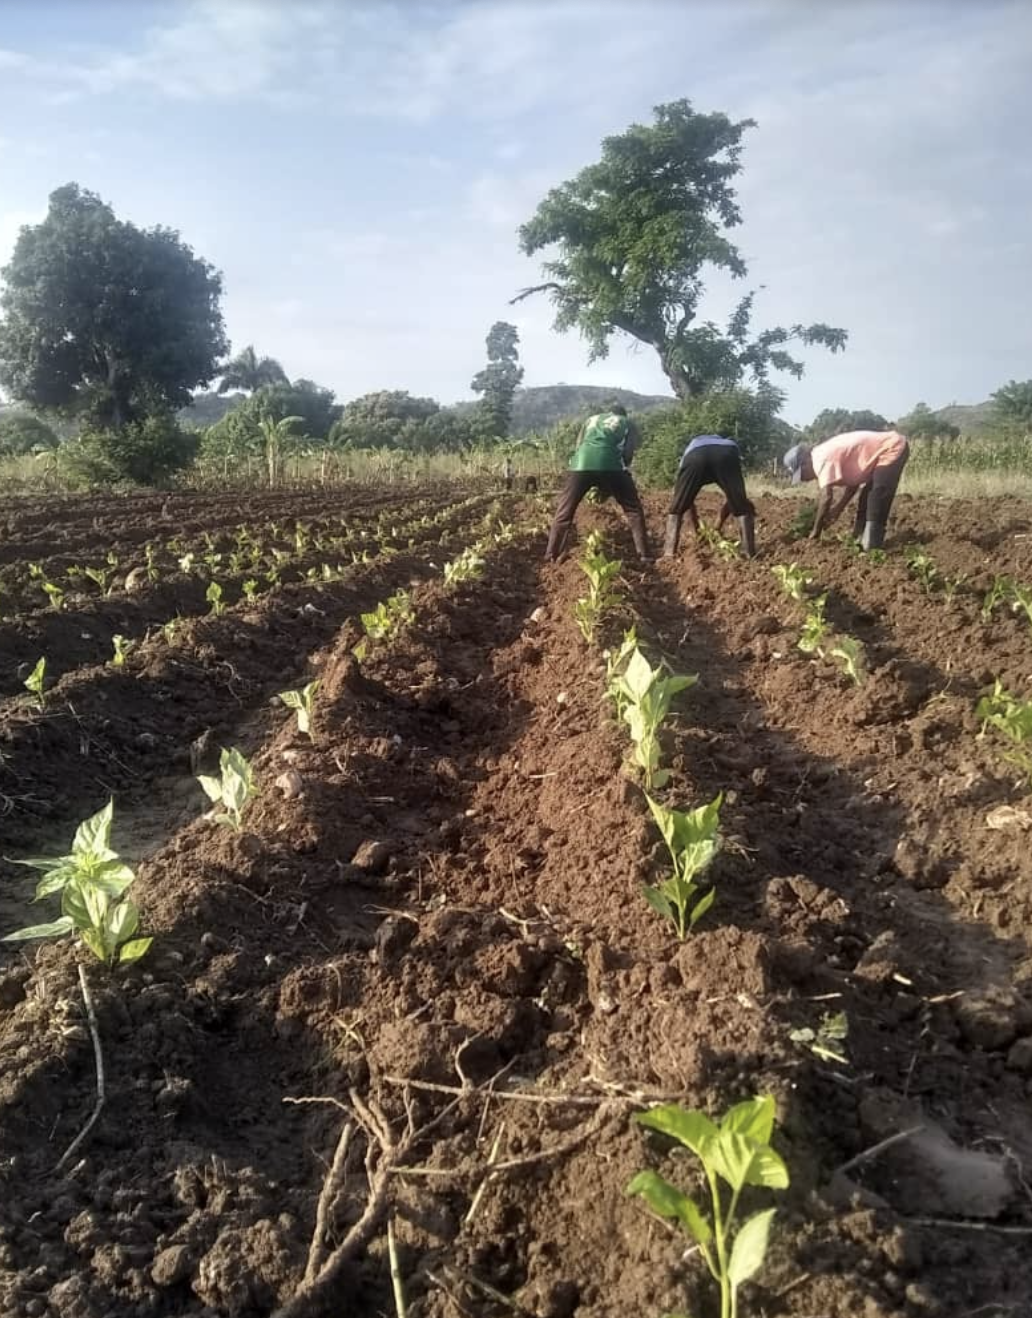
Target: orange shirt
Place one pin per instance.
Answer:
(851, 459)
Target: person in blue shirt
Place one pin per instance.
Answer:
(710, 460)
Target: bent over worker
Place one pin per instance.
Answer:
(601, 461)
(710, 460)
(868, 461)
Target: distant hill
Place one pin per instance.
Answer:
(206, 409)
(541, 407)
(970, 418)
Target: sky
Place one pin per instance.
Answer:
(358, 171)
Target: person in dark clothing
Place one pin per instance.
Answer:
(601, 461)
(710, 460)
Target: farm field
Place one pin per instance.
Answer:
(431, 926)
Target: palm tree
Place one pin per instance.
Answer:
(250, 372)
(274, 435)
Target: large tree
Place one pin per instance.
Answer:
(1012, 406)
(635, 234)
(106, 320)
(840, 420)
(923, 423)
(249, 372)
(499, 379)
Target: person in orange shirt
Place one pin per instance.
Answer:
(868, 461)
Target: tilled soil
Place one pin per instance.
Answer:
(438, 913)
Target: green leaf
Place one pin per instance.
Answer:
(667, 1200)
(292, 699)
(638, 675)
(112, 877)
(122, 921)
(754, 1119)
(132, 951)
(43, 863)
(692, 1129)
(73, 904)
(55, 929)
(93, 836)
(54, 881)
(212, 786)
(750, 1247)
(701, 907)
(741, 1161)
(659, 902)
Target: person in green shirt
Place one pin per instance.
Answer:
(601, 462)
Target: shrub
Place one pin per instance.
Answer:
(146, 452)
(746, 416)
(21, 432)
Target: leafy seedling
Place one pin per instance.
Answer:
(999, 592)
(802, 523)
(735, 1152)
(827, 1040)
(35, 680)
(793, 580)
(214, 597)
(1012, 719)
(92, 881)
(815, 627)
(250, 589)
(922, 566)
(304, 702)
(54, 594)
(231, 790)
(647, 693)
(1021, 601)
(720, 544)
(693, 839)
(851, 657)
(616, 665)
(602, 597)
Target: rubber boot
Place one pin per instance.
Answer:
(640, 537)
(673, 535)
(874, 536)
(747, 527)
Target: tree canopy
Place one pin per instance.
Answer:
(635, 233)
(104, 319)
(499, 379)
(243, 429)
(923, 423)
(840, 420)
(1012, 406)
(249, 372)
(20, 432)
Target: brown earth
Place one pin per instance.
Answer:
(448, 894)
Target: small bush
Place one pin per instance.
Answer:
(147, 452)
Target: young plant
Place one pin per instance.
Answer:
(250, 589)
(214, 597)
(647, 693)
(304, 702)
(950, 586)
(616, 665)
(709, 535)
(827, 1041)
(793, 580)
(815, 627)
(169, 629)
(735, 1152)
(54, 594)
(1012, 718)
(851, 656)
(231, 790)
(693, 839)
(123, 646)
(389, 616)
(802, 523)
(998, 593)
(602, 596)
(922, 566)
(1021, 601)
(469, 566)
(34, 682)
(92, 882)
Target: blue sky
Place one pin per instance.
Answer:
(358, 171)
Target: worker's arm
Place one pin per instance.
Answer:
(631, 444)
(828, 509)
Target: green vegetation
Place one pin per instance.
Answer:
(839, 420)
(851, 656)
(35, 681)
(231, 790)
(793, 580)
(735, 1151)
(645, 694)
(123, 646)
(645, 277)
(92, 882)
(468, 566)
(922, 566)
(602, 596)
(21, 432)
(249, 372)
(1011, 717)
(827, 1041)
(499, 379)
(304, 702)
(802, 522)
(693, 839)
(214, 597)
(815, 626)
(389, 616)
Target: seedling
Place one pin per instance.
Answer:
(214, 597)
(92, 882)
(1012, 718)
(231, 790)
(602, 596)
(469, 566)
(34, 682)
(802, 523)
(736, 1151)
(923, 567)
(998, 593)
(647, 693)
(826, 1042)
(950, 586)
(876, 557)
(169, 629)
(851, 656)
(693, 839)
(151, 561)
(102, 576)
(303, 701)
(1021, 601)
(250, 589)
(815, 627)
(54, 594)
(709, 535)
(793, 580)
(616, 664)
(123, 646)
(389, 616)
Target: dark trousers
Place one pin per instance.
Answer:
(876, 496)
(712, 464)
(619, 484)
